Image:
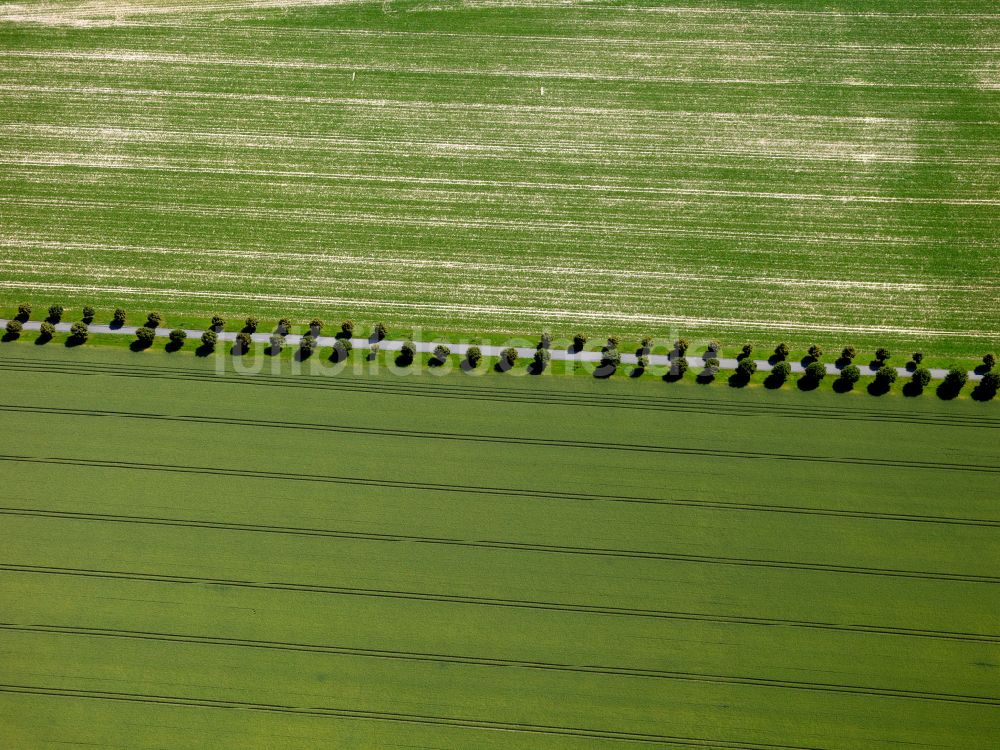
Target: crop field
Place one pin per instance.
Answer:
(193, 558)
(743, 170)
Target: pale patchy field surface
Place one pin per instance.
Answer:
(746, 170)
(196, 558)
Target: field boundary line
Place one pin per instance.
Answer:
(585, 609)
(347, 713)
(499, 662)
(514, 440)
(504, 545)
(500, 491)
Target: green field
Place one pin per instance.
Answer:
(194, 558)
(740, 170)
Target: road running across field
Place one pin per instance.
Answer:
(292, 339)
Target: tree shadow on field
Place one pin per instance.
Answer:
(946, 391)
(738, 380)
(402, 360)
(466, 365)
(983, 392)
(705, 377)
(8, 336)
(912, 390)
(74, 341)
(879, 387)
(806, 383)
(140, 346)
(637, 371)
(603, 372)
(173, 346)
(272, 351)
(301, 355)
(841, 385)
(534, 368)
(204, 350)
(43, 339)
(773, 382)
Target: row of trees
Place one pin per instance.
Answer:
(815, 371)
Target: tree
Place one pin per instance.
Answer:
(714, 346)
(218, 323)
(307, 344)
(678, 367)
(781, 351)
(277, 340)
(118, 317)
(849, 353)
(55, 313)
(177, 336)
(611, 358)
(154, 320)
(613, 342)
(89, 312)
(956, 379)
(745, 352)
(408, 352)
(315, 326)
(347, 329)
(373, 350)
(145, 335)
(815, 351)
(378, 331)
(46, 331)
(243, 342)
(882, 354)
(24, 310)
(647, 343)
(918, 357)
(284, 326)
(579, 341)
(746, 368)
(441, 353)
(681, 347)
(545, 340)
(815, 372)
(208, 339)
(886, 375)
(79, 332)
(250, 324)
(712, 365)
(989, 361)
(14, 328)
(473, 355)
(542, 357)
(642, 362)
(850, 374)
(921, 377)
(781, 371)
(509, 356)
